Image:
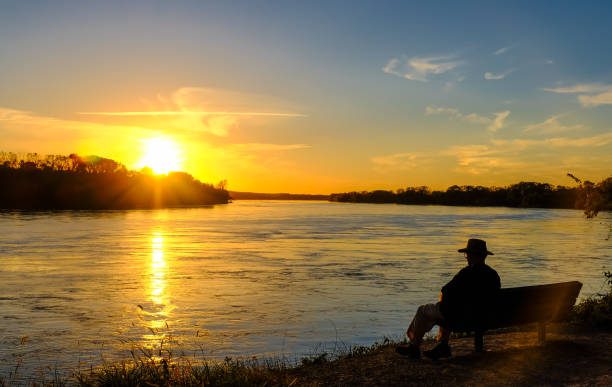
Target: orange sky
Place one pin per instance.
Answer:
(312, 99)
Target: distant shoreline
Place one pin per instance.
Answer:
(236, 195)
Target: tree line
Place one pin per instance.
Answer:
(56, 182)
(523, 194)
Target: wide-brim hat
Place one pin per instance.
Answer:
(476, 246)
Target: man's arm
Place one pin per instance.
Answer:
(455, 282)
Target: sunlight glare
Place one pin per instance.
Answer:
(158, 269)
(162, 155)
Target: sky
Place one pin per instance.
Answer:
(315, 97)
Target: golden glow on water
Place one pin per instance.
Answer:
(158, 292)
(260, 277)
(158, 269)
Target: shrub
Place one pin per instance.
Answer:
(596, 311)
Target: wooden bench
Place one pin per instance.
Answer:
(539, 304)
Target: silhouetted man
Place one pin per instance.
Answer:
(465, 298)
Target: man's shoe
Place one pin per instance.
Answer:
(409, 350)
(439, 351)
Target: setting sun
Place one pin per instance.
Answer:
(162, 155)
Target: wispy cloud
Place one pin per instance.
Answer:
(28, 131)
(590, 94)
(421, 68)
(503, 50)
(263, 147)
(192, 113)
(495, 77)
(539, 157)
(597, 140)
(518, 158)
(397, 161)
(480, 159)
(493, 124)
(456, 114)
(498, 121)
(552, 125)
(205, 110)
(580, 88)
(596, 100)
(184, 114)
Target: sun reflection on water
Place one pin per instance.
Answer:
(158, 293)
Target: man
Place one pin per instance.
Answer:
(466, 297)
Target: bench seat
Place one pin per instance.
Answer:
(524, 305)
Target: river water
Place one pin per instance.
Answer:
(263, 278)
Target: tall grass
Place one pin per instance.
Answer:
(596, 311)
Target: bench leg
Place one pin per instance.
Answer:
(478, 341)
(541, 332)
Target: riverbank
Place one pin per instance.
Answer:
(570, 356)
(512, 358)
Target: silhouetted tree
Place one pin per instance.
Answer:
(523, 194)
(74, 182)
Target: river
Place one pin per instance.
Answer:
(257, 278)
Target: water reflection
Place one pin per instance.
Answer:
(158, 293)
(259, 277)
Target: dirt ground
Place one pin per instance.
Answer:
(510, 359)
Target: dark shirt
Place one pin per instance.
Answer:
(469, 294)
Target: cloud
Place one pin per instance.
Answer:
(183, 115)
(456, 114)
(498, 121)
(206, 110)
(191, 113)
(538, 157)
(24, 131)
(421, 68)
(552, 125)
(581, 88)
(493, 124)
(396, 161)
(495, 77)
(559, 142)
(596, 100)
(503, 50)
(262, 147)
(591, 94)
(479, 159)
(519, 158)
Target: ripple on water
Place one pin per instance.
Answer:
(257, 277)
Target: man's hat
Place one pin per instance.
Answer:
(476, 246)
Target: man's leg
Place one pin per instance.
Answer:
(425, 318)
(443, 335)
(442, 349)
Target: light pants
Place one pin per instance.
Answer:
(425, 318)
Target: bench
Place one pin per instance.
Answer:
(539, 304)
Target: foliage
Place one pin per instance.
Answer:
(593, 197)
(165, 372)
(523, 194)
(596, 311)
(34, 182)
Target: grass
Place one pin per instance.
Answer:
(162, 368)
(596, 311)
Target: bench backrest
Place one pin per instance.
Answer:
(528, 304)
(524, 305)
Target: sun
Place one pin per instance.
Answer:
(161, 154)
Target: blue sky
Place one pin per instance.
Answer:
(357, 95)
